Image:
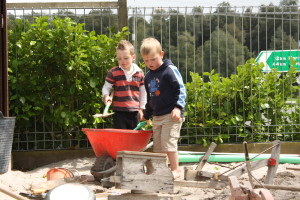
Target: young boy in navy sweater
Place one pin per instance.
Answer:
(165, 101)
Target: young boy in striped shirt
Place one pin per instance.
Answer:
(127, 81)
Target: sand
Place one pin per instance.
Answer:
(18, 181)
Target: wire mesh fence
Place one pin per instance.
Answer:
(201, 40)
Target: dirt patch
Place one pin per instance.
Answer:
(18, 181)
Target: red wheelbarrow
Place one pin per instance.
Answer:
(107, 142)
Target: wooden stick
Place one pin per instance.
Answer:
(275, 154)
(293, 168)
(248, 165)
(204, 159)
(279, 187)
(11, 194)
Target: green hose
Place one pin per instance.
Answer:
(184, 158)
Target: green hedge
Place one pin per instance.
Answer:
(247, 105)
(56, 73)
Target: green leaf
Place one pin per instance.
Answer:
(92, 83)
(32, 43)
(63, 114)
(22, 99)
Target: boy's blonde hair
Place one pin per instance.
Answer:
(150, 45)
(125, 45)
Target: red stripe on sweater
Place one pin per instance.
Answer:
(132, 104)
(123, 83)
(127, 93)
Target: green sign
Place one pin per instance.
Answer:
(280, 59)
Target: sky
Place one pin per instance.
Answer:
(171, 3)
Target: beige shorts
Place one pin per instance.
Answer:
(166, 133)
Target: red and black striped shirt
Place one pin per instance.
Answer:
(126, 94)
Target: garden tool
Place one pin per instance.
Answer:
(140, 125)
(105, 112)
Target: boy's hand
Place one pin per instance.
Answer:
(106, 99)
(148, 122)
(141, 115)
(175, 114)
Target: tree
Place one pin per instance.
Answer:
(183, 55)
(288, 2)
(102, 21)
(223, 52)
(282, 41)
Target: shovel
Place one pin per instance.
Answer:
(105, 112)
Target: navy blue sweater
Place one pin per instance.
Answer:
(165, 90)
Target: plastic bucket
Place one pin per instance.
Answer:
(57, 173)
(71, 191)
(7, 126)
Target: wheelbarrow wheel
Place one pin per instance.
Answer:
(103, 167)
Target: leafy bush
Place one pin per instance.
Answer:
(247, 106)
(57, 70)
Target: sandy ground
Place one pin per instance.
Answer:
(18, 181)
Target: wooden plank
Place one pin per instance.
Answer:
(243, 169)
(272, 169)
(201, 184)
(138, 154)
(204, 158)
